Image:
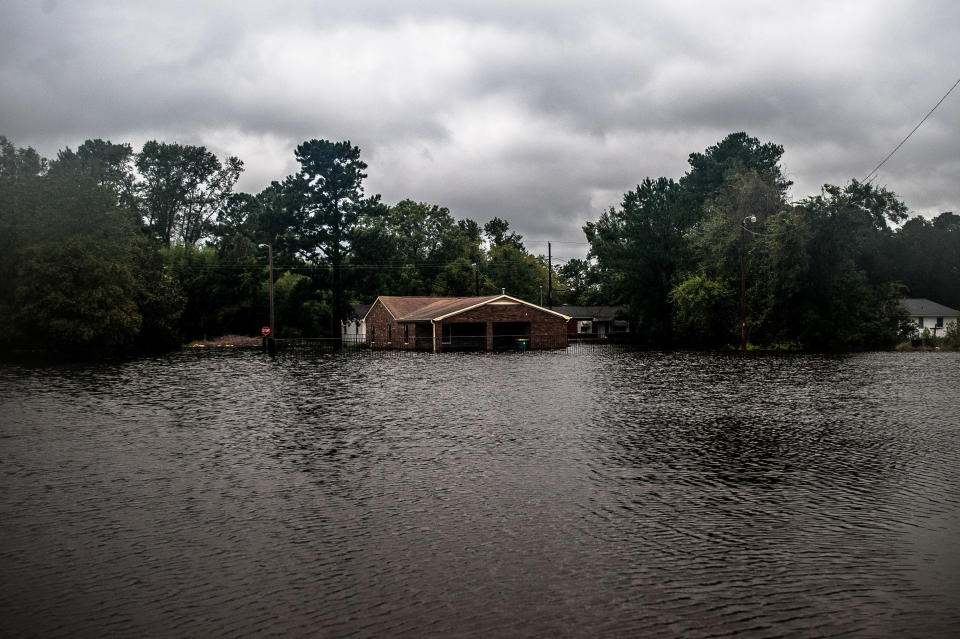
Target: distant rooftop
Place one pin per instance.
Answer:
(597, 313)
(919, 306)
(359, 310)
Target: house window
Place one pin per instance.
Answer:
(619, 326)
(373, 334)
(939, 322)
(920, 322)
(584, 326)
(446, 333)
(389, 333)
(406, 333)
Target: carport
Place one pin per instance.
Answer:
(506, 334)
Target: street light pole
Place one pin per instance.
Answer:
(270, 258)
(269, 345)
(743, 280)
(550, 276)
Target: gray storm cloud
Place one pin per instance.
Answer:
(539, 113)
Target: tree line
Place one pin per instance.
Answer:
(108, 250)
(111, 250)
(822, 273)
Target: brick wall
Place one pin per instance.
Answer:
(380, 324)
(378, 321)
(541, 322)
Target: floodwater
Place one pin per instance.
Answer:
(535, 495)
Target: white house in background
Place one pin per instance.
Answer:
(930, 315)
(354, 330)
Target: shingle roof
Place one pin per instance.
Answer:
(359, 310)
(597, 313)
(439, 307)
(924, 307)
(422, 309)
(413, 308)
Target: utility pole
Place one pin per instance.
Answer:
(270, 258)
(743, 280)
(549, 277)
(269, 345)
(476, 274)
(272, 338)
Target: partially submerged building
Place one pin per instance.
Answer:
(493, 322)
(596, 322)
(353, 330)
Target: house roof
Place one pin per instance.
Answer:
(923, 307)
(359, 310)
(596, 313)
(424, 309)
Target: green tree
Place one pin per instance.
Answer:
(699, 301)
(499, 234)
(731, 221)
(951, 337)
(160, 299)
(21, 178)
(225, 292)
(326, 197)
(413, 248)
(817, 289)
(83, 278)
(69, 297)
(640, 250)
(671, 252)
(456, 279)
(515, 270)
(110, 165)
(373, 262)
(738, 153)
(925, 256)
(577, 283)
(424, 246)
(183, 189)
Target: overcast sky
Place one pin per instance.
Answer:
(542, 113)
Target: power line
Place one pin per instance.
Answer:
(329, 267)
(872, 174)
(526, 241)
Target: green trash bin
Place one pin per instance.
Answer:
(522, 344)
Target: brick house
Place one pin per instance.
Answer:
(493, 322)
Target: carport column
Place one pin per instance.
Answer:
(489, 336)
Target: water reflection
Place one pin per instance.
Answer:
(477, 495)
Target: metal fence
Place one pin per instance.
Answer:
(358, 347)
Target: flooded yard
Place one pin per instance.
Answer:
(474, 495)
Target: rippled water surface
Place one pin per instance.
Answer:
(542, 494)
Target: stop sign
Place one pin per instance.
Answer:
(265, 330)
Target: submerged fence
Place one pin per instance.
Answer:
(358, 347)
